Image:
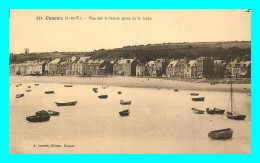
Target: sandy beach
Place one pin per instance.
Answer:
(125, 81)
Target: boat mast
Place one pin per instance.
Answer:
(231, 98)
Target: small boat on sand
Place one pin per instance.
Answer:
(49, 92)
(122, 102)
(17, 85)
(221, 134)
(218, 111)
(39, 116)
(198, 99)
(53, 113)
(124, 113)
(119, 92)
(28, 86)
(68, 85)
(176, 90)
(66, 103)
(20, 84)
(210, 111)
(36, 118)
(197, 111)
(233, 114)
(103, 96)
(19, 95)
(94, 89)
(36, 84)
(215, 111)
(194, 94)
(28, 90)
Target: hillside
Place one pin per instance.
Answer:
(218, 50)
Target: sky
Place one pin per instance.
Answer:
(128, 27)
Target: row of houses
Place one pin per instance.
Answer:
(184, 68)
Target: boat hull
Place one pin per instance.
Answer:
(53, 113)
(198, 99)
(19, 95)
(219, 111)
(124, 113)
(125, 102)
(221, 134)
(194, 94)
(197, 111)
(67, 85)
(103, 96)
(38, 118)
(235, 116)
(49, 92)
(66, 104)
(210, 111)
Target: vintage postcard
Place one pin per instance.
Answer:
(130, 81)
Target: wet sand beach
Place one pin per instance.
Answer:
(125, 81)
(160, 120)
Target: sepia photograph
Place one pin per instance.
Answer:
(130, 81)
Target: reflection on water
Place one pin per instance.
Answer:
(161, 121)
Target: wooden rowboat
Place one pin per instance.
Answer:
(103, 96)
(68, 85)
(124, 113)
(122, 102)
(49, 92)
(198, 99)
(221, 134)
(66, 103)
(19, 95)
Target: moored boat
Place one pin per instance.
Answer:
(39, 116)
(66, 103)
(41, 113)
(94, 89)
(122, 102)
(53, 113)
(19, 95)
(194, 94)
(124, 113)
(221, 134)
(103, 96)
(49, 92)
(210, 111)
(218, 111)
(197, 111)
(68, 85)
(28, 90)
(198, 99)
(36, 118)
(233, 114)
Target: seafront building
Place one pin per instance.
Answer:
(180, 68)
(53, 66)
(125, 67)
(141, 70)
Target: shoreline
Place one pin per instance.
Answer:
(136, 82)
